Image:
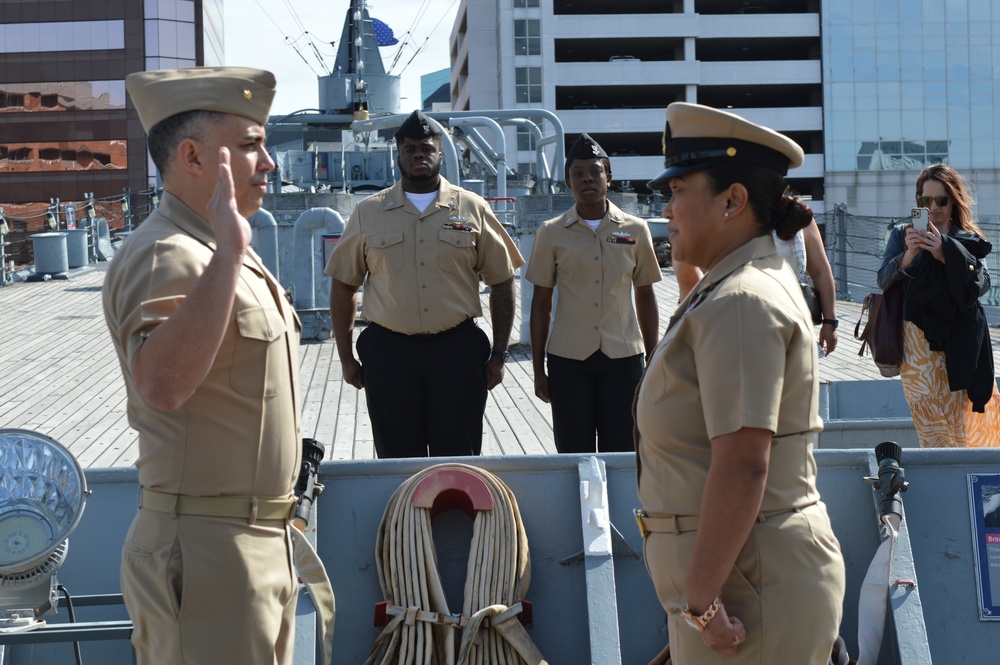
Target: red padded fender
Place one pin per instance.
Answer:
(453, 489)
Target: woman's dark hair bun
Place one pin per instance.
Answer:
(790, 215)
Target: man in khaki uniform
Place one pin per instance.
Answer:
(592, 255)
(419, 247)
(208, 347)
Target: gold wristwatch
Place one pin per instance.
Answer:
(700, 623)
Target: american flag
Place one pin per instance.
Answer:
(383, 33)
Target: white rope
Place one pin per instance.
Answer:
(421, 631)
(874, 596)
(313, 574)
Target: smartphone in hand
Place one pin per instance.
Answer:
(919, 219)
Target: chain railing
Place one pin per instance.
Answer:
(854, 243)
(19, 221)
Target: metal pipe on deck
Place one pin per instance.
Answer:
(501, 150)
(502, 115)
(541, 165)
(394, 121)
(265, 238)
(308, 252)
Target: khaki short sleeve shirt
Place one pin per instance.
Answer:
(238, 434)
(738, 353)
(594, 273)
(421, 270)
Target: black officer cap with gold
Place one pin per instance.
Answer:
(697, 136)
(417, 126)
(241, 91)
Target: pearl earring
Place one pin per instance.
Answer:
(725, 214)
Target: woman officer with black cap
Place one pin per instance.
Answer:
(596, 258)
(737, 541)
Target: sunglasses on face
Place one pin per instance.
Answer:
(925, 201)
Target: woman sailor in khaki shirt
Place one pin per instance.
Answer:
(588, 358)
(738, 543)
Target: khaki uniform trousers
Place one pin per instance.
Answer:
(787, 588)
(206, 590)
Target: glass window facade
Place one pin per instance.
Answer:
(63, 156)
(909, 83)
(62, 36)
(63, 96)
(65, 127)
(527, 37)
(528, 85)
(170, 34)
(525, 139)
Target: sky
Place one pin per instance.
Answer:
(256, 32)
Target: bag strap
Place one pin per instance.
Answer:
(866, 308)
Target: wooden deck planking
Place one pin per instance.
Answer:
(59, 375)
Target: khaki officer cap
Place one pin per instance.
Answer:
(161, 94)
(696, 136)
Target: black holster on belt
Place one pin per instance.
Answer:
(306, 487)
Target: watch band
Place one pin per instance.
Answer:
(700, 623)
(831, 322)
(497, 353)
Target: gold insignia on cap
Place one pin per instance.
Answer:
(731, 152)
(247, 94)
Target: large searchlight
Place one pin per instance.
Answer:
(42, 495)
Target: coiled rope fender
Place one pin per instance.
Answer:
(497, 575)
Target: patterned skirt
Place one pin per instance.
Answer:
(944, 419)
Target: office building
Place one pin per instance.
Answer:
(67, 129)
(907, 84)
(435, 91)
(872, 91)
(610, 69)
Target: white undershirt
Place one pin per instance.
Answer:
(421, 201)
(794, 251)
(593, 223)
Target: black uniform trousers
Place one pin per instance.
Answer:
(593, 396)
(426, 393)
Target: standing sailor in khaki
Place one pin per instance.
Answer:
(737, 541)
(209, 350)
(420, 247)
(593, 256)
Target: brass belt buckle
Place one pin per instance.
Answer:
(639, 514)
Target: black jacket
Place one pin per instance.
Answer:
(943, 301)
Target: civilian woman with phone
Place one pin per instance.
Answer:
(947, 371)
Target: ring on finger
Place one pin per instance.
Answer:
(736, 640)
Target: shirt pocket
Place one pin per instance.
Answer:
(622, 256)
(384, 252)
(652, 388)
(457, 250)
(259, 352)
